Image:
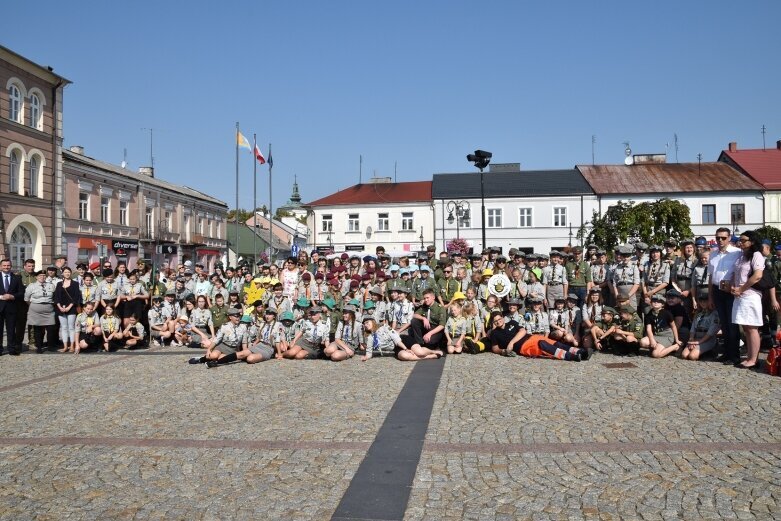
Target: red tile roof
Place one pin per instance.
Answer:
(666, 178)
(378, 193)
(763, 166)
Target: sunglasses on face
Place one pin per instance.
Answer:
(721, 238)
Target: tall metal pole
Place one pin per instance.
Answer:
(254, 200)
(482, 201)
(236, 216)
(270, 215)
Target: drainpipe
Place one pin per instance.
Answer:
(57, 199)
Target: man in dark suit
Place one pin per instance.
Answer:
(11, 291)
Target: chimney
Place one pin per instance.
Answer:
(733, 146)
(778, 144)
(77, 149)
(147, 170)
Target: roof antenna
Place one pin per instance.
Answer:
(699, 163)
(675, 138)
(593, 142)
(764, 130)
(395, 166)
(360, 168)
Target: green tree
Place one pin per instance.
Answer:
(770, 232)
(650, 222)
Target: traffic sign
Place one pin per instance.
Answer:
(294, 250)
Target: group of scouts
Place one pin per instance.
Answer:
(562, 305)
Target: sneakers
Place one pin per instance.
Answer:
(155, 343)
(195, 360)
(174, 343)
(212, 363)
(508, 353)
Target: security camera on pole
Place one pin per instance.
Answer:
(481, 159)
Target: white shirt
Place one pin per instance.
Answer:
(721, 264)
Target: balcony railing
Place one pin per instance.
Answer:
(162, 233)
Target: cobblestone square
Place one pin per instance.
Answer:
(146, 436)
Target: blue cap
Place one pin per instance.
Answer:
(413, 268)
(767, 242)
(734, 238)
(778, 246)
(403, 271)
(700, 241)
(394, 267)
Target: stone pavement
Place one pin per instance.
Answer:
(145, 436)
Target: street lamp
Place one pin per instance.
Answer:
(460, 209)
(570, 235)
(421, 239)
(481, 159)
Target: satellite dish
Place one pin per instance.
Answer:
(629, 161)
(369, 231)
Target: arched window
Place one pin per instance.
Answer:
(21, 246)
(34, 176)
(35, 112)
(15, 108)
(13, 174)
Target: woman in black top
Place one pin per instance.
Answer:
(67, 303)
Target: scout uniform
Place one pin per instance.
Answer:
(579, 276)
(655, 273)
(537, 322)
(682, 270)
(700, 281)
(382, 342)
(626, 275)
(555, 276)
(230, 338)
(89, 294)
(448, 287)
(201, 319)
(219, 315)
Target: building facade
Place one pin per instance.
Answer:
(716, 194)
(115, 213)
(763, 165)
(533, 211)
(31, 197)
(398, 216)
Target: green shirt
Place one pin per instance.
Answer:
(219, 315)
(578, 273)
(435, 313)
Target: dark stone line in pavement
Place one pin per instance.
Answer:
(381, 486)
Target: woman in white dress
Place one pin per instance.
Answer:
(747, 308)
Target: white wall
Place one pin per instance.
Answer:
(542, 236)
(722, 200)
(395, 238)
(773, 209)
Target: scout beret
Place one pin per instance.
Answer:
(234, 312)
(608, 309)
(641, 246)
(654, 247)
(624, 249)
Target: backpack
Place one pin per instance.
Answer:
(773, 361)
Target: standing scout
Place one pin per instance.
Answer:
(626, 277)
(579, 273)
(556, 277)
(656, 276)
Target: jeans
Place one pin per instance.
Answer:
(722, 301)
(67, 328)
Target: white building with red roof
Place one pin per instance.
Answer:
(398, 216)
(763, 165)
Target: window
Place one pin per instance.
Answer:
(21, 245)
(13, 177)
(167, 220)
(149, 221)
(383, 223)
(15, 107)
(123, 213)
(34, 176)
(84, 206)
(406, 221)
(187, 227)
(560, 216)
(104, 209)
(35, 112)
(465, 219)
(708, 214)
(217, 235)
(738, 214)
(494, 218)
(208, 227)
(328, 223)
(200, 225)
(524, 217)
(353, 223)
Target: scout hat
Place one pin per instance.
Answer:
(608, 309)
(658, 297)
(303, 302)
(329, 303)
(234, 312)
(286, 315)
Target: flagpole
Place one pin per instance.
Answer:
(270, 215)
(255, 199)
(236, 215)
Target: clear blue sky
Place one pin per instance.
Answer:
(422, 83)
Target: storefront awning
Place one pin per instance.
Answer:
(85, 243)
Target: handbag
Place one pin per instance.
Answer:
(765, 283)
